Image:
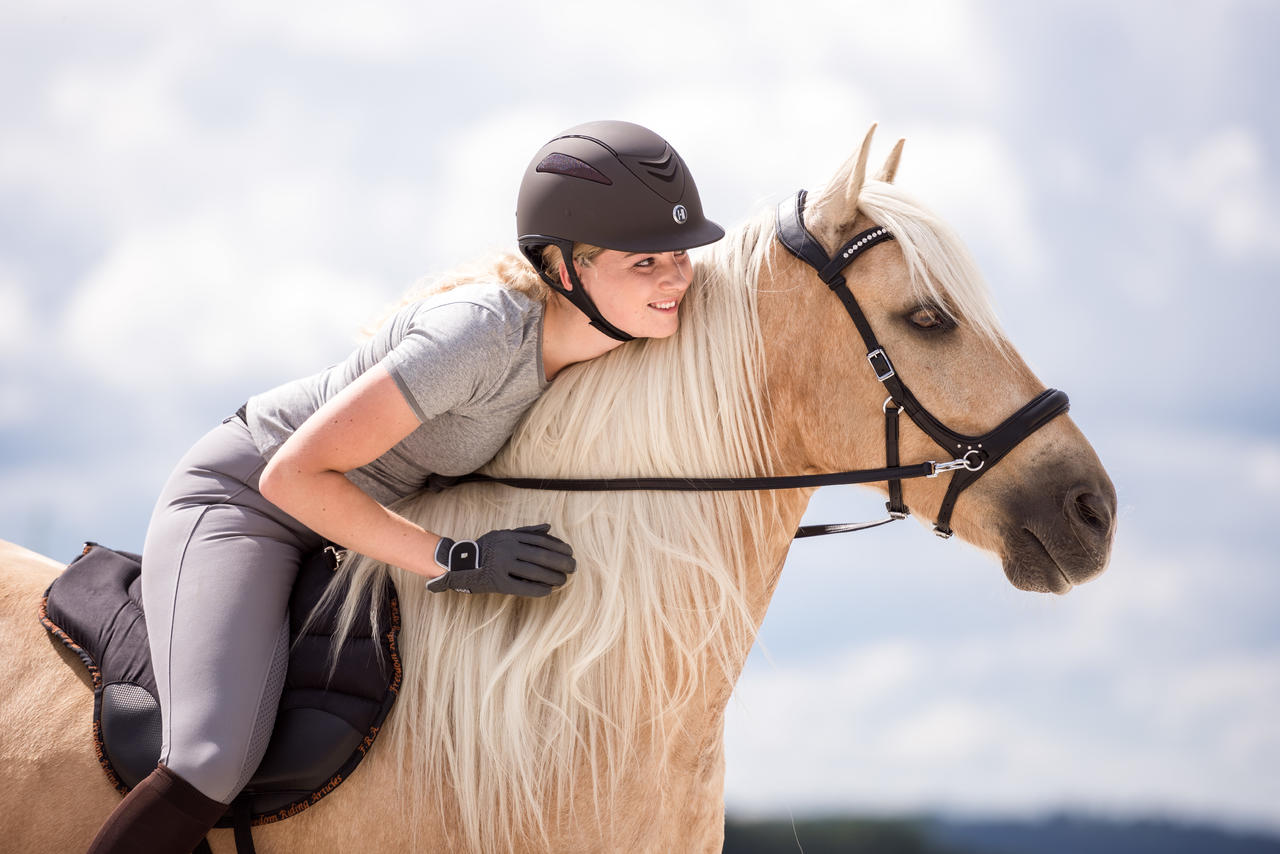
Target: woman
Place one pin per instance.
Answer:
(438, 389)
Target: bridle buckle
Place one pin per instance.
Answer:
(880, 364)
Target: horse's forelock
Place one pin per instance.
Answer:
(941, 269)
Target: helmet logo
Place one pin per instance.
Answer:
(679, 214)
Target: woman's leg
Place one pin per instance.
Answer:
(224, 582)
(218, 567)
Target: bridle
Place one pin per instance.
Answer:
(973, 455)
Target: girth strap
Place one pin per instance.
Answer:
(243, 832)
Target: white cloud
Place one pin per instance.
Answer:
(1222, 189)
(126, 105)
(16, 317)
(15, 399)
(986, 726)
(1071, 173)
(374, 30)
(748, 146)
(199, 302)
(890, 47)
(972, 177)
(950, 731)
(1160, 452)
(472, 210)
(17, 332)
(1266, 472)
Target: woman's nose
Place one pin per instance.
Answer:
(675, 273)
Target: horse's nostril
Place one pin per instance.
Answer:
(1091, 510)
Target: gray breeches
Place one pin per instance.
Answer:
(217, 568)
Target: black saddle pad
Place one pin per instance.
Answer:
(324, 727)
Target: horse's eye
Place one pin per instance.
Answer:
(930, 318)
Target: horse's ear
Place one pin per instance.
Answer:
(839, 198)
(890, 167)
(859, 176)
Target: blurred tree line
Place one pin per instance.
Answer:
(826, 836)
(1063, 834)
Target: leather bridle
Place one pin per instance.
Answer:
(976, 455)
(973, 455)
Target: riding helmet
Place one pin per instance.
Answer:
(611, 184)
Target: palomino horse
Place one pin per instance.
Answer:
(593, 720)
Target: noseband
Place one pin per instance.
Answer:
(973, 455)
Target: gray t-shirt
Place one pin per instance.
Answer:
(469, 362)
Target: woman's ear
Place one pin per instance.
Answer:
(565, 281)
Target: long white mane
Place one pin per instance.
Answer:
(508, 699)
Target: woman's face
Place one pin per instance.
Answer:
(639, 292)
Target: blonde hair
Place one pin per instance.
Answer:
(509, 269)
(941, 269)
(506, 700)
(583, 253)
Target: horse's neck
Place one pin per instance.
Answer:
(785, 509)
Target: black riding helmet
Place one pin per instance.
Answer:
(615, 185)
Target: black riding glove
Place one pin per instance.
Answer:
(524, 562)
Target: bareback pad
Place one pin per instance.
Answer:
(325, 724)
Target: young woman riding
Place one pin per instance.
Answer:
(438, 389)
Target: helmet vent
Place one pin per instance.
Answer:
(563, 164)
(664, 169)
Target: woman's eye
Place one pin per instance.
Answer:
(678, 256)
(931, 318)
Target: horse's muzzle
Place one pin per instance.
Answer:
(1056, 538)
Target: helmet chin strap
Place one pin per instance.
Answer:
(579, 297)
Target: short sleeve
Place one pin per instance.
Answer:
(451, 355)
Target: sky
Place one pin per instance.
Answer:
(199, 201)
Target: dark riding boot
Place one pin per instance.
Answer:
(164, 814)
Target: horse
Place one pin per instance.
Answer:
(593, 720)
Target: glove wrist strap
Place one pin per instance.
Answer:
(457, 555)
(442, 552)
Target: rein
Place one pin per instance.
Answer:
(974, 455)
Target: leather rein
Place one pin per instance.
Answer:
(973, 455)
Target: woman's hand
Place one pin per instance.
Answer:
(525, 561)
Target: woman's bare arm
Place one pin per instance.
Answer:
(306, 477)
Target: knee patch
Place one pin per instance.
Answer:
(269, 702)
